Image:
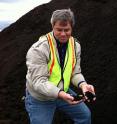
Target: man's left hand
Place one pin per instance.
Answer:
(87, 88)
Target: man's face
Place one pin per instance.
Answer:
(62, 30)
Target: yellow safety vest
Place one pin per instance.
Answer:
(56, 74)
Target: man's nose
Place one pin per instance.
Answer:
(63, 32)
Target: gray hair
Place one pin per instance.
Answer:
(63, 15)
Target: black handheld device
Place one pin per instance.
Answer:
(90, 95)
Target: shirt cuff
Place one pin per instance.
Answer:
(80, 83)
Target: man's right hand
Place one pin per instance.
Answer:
(68, 98)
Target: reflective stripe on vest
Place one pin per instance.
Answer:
(54, 67)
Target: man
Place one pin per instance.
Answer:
(53, 63)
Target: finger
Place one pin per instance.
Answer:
(70, 97)
(94, 98)
(85, 97)
(91, 89)
(77, 102)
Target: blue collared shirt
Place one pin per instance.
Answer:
(62, 47)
